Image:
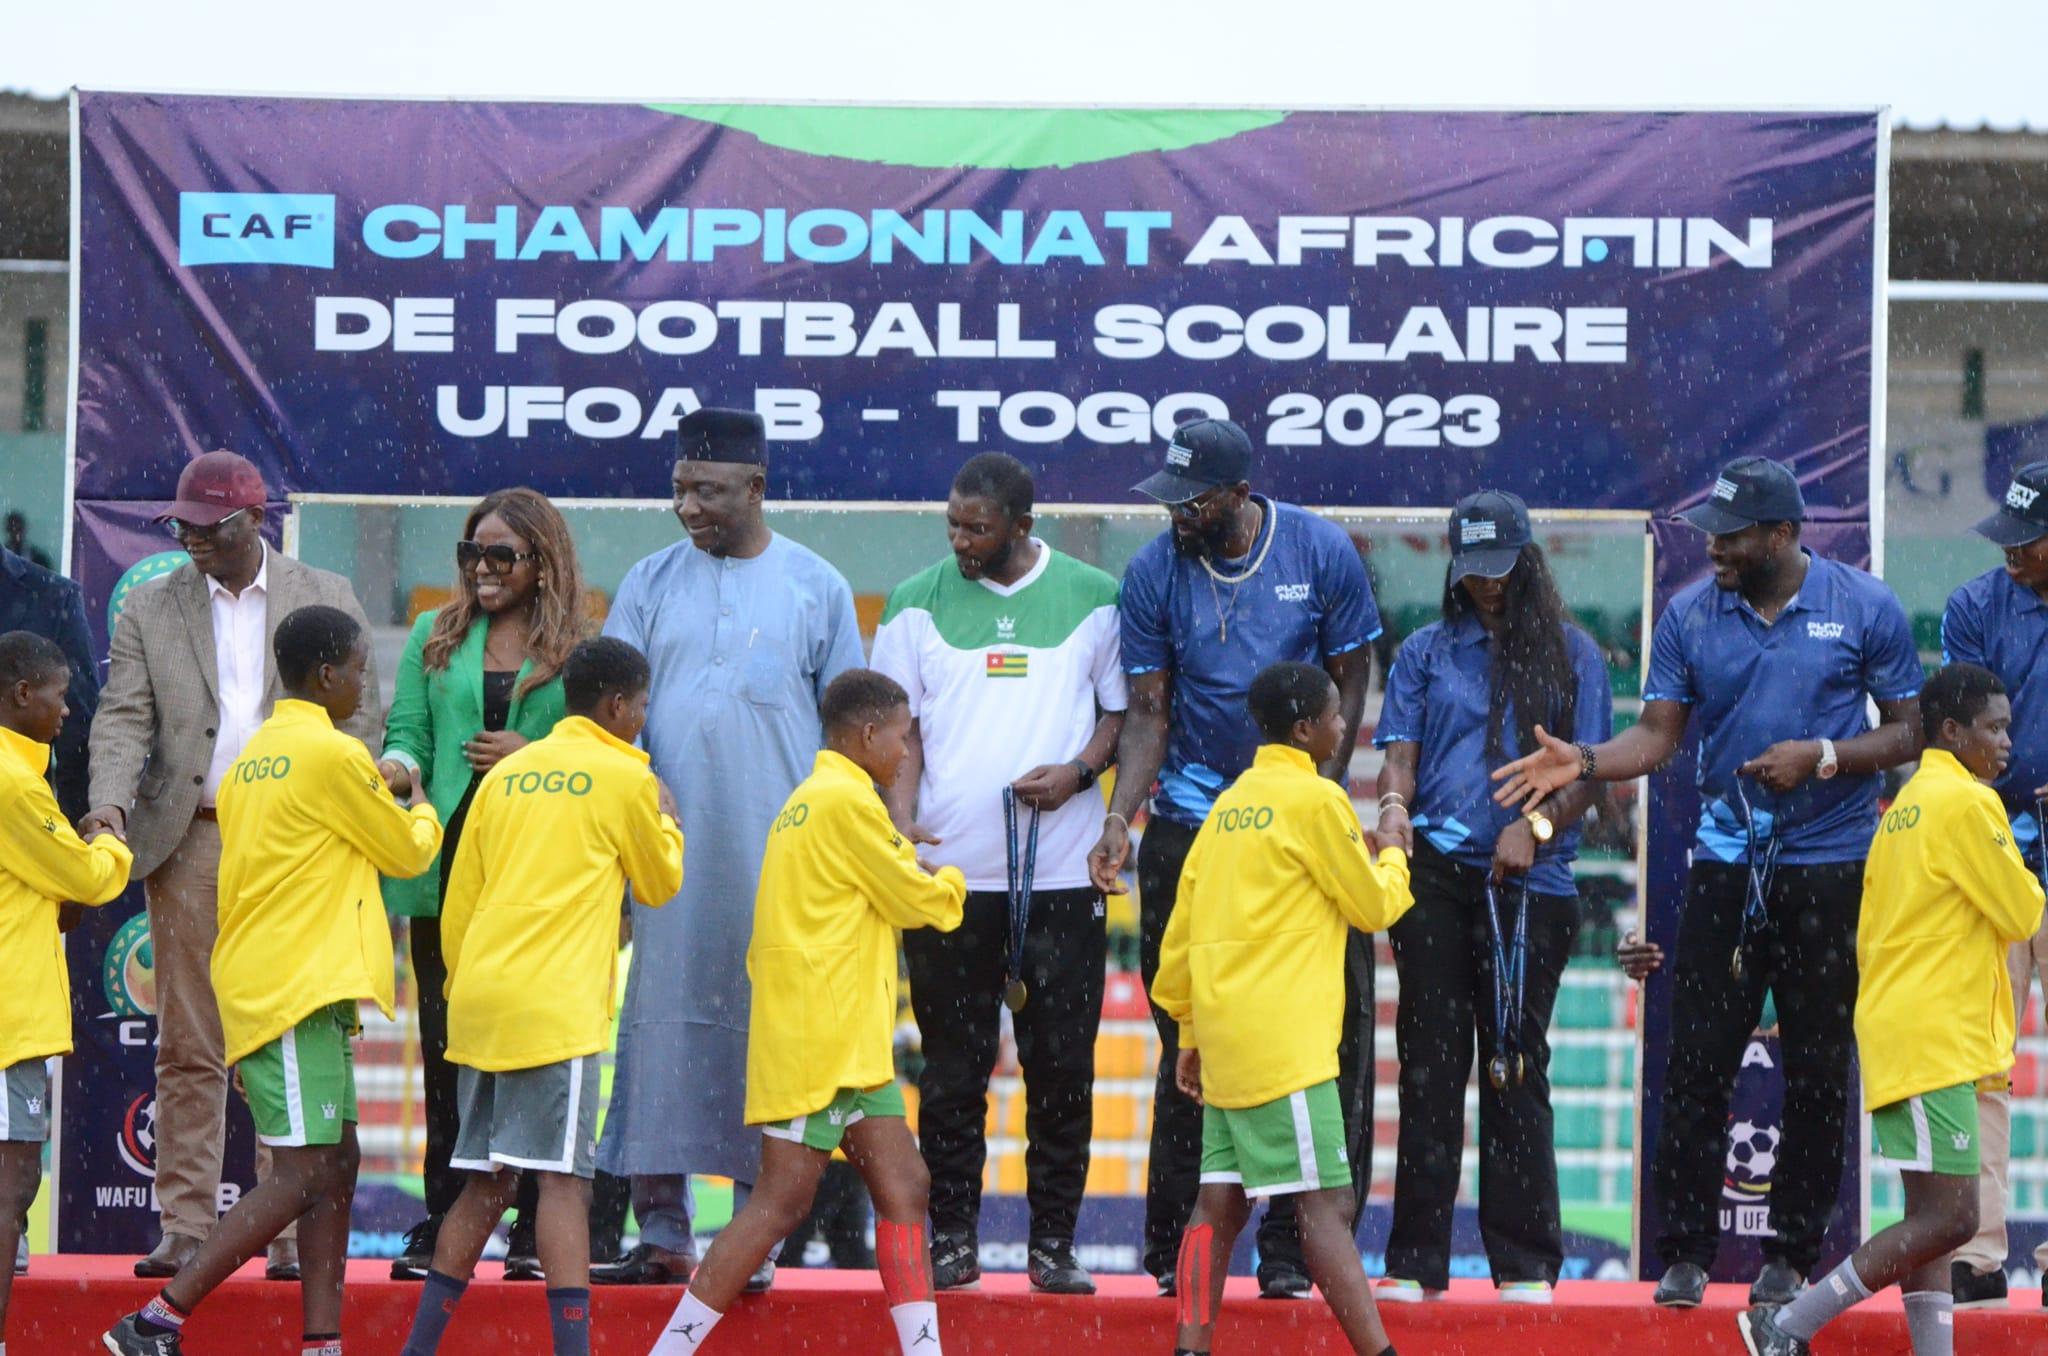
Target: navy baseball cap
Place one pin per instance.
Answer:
(1202, 454)
(1488, 531)
(2022, 516)
(1750, 490)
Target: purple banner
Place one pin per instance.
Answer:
(435, 297)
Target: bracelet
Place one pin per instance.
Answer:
(1119, 819)
(1394, 796)
(1588, 763)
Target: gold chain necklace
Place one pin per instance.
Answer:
(1236, 582)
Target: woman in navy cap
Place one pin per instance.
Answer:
(1481, 953)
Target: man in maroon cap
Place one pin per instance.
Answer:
(190, 677)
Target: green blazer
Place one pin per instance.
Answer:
(431, 715)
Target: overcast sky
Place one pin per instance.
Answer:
(1966, 62)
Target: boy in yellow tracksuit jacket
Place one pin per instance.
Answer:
(43, 864)
(1945, 892)
(837, 882)
(306, 826)
(530, 928)
(1252, 968)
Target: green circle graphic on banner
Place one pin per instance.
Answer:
(138, 574)
(128, 971)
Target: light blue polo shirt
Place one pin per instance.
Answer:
(1843, 641)
(1438, 697)
(1996, 624)
(1305, 599)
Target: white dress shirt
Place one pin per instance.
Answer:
(238, 627)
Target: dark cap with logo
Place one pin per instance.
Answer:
(1750, 490)
(1488, 531)
(213, 485)
(2022, 515)
(1202, 454)
(713, 434)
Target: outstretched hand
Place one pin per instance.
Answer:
(1527, 780)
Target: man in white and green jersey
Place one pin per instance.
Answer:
(1010, 654)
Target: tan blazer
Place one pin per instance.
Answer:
(152, 738)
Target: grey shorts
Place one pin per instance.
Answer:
(25, 1102)
(544, 1119)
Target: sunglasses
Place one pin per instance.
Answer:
(185, 531)
(1195, 508)
(496, 559)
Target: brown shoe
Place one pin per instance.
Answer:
(283, 1264)
(171, 1252)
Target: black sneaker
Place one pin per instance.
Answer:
(1056, 1271)
(1169, 1286)
(1779, 1283)
(522, 1256)
(124, 1339)
(956, 1262)
(1683, 1287)
(1761, 1335)
(1283, 1280)
(1974, 1291)
(416, 1258)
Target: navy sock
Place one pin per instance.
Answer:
(569, 1315)
(437, 1305)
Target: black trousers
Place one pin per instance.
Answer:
(1443, 951)
(1807, 959)
(956, 991)
(1174, 1175)
(430, 976)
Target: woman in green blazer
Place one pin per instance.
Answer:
(480, 678)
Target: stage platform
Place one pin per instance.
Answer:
(64, 1303)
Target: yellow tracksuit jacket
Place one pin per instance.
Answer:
(42, 865)
(1944, 893)
(306, 825)
(1252, 964)
(530, 927)
(836, 883)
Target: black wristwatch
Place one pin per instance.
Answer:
(1088, 774)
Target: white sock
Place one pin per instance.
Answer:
(917, 1328)
(685, 1330)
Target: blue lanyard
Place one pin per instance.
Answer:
(1762, 864)
(1510, 969)
(1019, 876)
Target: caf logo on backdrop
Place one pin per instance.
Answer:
(128, 971)
(256, 228)
(138, 1136)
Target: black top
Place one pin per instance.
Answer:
(498, 685)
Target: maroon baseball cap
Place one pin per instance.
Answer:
(212, 486)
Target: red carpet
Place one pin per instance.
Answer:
(61, 1307)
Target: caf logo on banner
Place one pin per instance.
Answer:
(138, 1136)
(128, 973)
(135, 576)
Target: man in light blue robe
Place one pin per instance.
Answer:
(743, 629)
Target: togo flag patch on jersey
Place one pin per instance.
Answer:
(1001, 664)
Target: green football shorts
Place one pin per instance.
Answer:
(1293, 1143)
(1934, 1132)
(302, 1086)
(824, 1128)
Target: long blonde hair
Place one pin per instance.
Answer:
(558, 622)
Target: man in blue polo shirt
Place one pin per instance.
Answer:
(1238, 582)
(1999, 621)
(1779, 654)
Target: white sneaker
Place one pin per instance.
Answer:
(1394, 1290)
(1525, 1292)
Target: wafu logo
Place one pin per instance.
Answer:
(2018, 496)
(256, 228)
